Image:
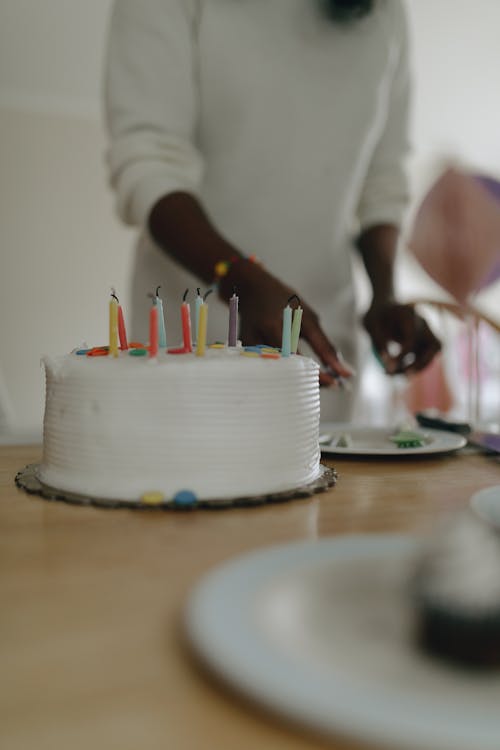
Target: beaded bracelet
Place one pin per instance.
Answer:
(222, 267)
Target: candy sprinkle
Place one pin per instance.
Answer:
(152, 498)
(137, 352)
(270, 355)
(184, 498)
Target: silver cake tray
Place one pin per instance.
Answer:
(27, 480)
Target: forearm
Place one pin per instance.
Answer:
(180, 226)
(377, 247)
(402, 339)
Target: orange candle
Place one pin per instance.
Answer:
(186, 324)
(153, 331)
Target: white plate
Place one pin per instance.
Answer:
(486, 503)
(375, 441)
(321, 632)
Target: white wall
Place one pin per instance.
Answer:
(61, 247)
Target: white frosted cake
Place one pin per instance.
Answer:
(218, 426)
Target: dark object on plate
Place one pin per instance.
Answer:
(440, 423)
(457, 594)
(488, 441)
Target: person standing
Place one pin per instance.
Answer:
(275, 129)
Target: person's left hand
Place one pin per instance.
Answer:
(402, 340)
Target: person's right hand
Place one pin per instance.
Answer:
(262, 298)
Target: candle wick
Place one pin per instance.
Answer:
(113, 294)
(206, 294)
(294, 296)
(185, 295)
(158, 289)
(198, 290)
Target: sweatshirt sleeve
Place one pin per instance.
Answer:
(385, 192)
(151, 103)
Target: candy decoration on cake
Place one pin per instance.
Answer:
(184, 499)
(162, 334)
(113, 324)
(232, 339)
(152, 498)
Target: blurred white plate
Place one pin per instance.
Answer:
(375, 441)
(321, 632)
(486, 503)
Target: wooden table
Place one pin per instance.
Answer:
(92, 654)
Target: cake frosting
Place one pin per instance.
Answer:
(457, 594)
(460, 568)
(220, 426)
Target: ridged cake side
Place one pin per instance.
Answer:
(223, 426)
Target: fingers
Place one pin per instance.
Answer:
(324, 349)
(420, 349)
(425, 351)
(403, 341)
(336, 370)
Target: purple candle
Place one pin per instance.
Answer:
(233, 320)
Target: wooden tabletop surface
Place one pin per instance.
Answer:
(91, 603)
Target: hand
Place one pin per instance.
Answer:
(262, 299)
(402, 339)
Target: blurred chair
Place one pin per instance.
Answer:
(465, 378)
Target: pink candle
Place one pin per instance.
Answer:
(186, 324)
(113, 324)
(153, 331)
(122, 333)
(232, 339)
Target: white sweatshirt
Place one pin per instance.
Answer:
(291, 129)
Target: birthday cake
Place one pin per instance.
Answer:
(219, 426)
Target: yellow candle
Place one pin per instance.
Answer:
(201, 344)
(113, 326)
(297, 321)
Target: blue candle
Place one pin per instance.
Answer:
(287, 331)
(162, 335)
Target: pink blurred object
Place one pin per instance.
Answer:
(456, 234)
(493, 186)
(429, 389)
